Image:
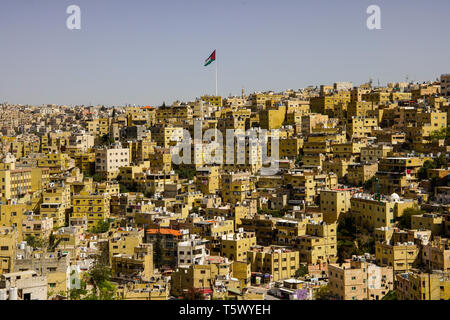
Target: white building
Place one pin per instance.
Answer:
(109, 161)
(192, 251)
(23, 285)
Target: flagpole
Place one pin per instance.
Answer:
(216, 74)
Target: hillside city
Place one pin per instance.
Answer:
(94, 207)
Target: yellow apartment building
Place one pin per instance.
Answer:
(56, 202)
(436, 254)
(242, 271)
(375, 213)
(338, 166)
(85, 161)
(236, 187)
(39, 178)
(319, 244)
(229, 212)
(144, 291)
(279, 262)
(94, 207)
(39, 228)
(377, 97)
(334, 203)
(12, 215)
(349, 150)
(375, 152)
(428, 221)
(263, 226)
(137, 265)
(14, 183)
(360, 173)
(289, 147)
(402, 257)
(235, 246)
(359, 127)
(408, 165)
(208, 179)
(167, 136)
(56, 162)
(360, 280)
(360, 109)
(213, 100)
(8, 242)
(107, 187)
(272, 118)
(161, 160)
(198, 277)
(140, 150)
(99, 127)
(124, 242)
(422, 286)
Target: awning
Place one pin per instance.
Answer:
(234, 290)
(206, 291)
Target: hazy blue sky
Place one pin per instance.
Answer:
(146, 52)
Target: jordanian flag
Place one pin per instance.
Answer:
(211, 58)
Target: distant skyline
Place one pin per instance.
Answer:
(147, 52)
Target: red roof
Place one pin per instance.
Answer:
(164, 231)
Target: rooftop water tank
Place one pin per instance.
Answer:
(3, 294)
(13, 294)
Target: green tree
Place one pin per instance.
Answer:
(443, 133)
(97, 177)
(78, 294)
(99, 277)
(368, 185)
(273, 213)
(423, 171)
(391, 295)
(302, 271)
(366, 244)
(436, 163)
(441, 161)
(347, 236)
(404, 222)
(53, 242)
(35, 242)
(128, 188)
(123, 188)
(323, 293)
(195, 210)
(298, 161)
(347, 228)
(101, 227)
(186, 173)
(346, 249)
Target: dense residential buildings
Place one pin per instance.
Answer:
(354, 207)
